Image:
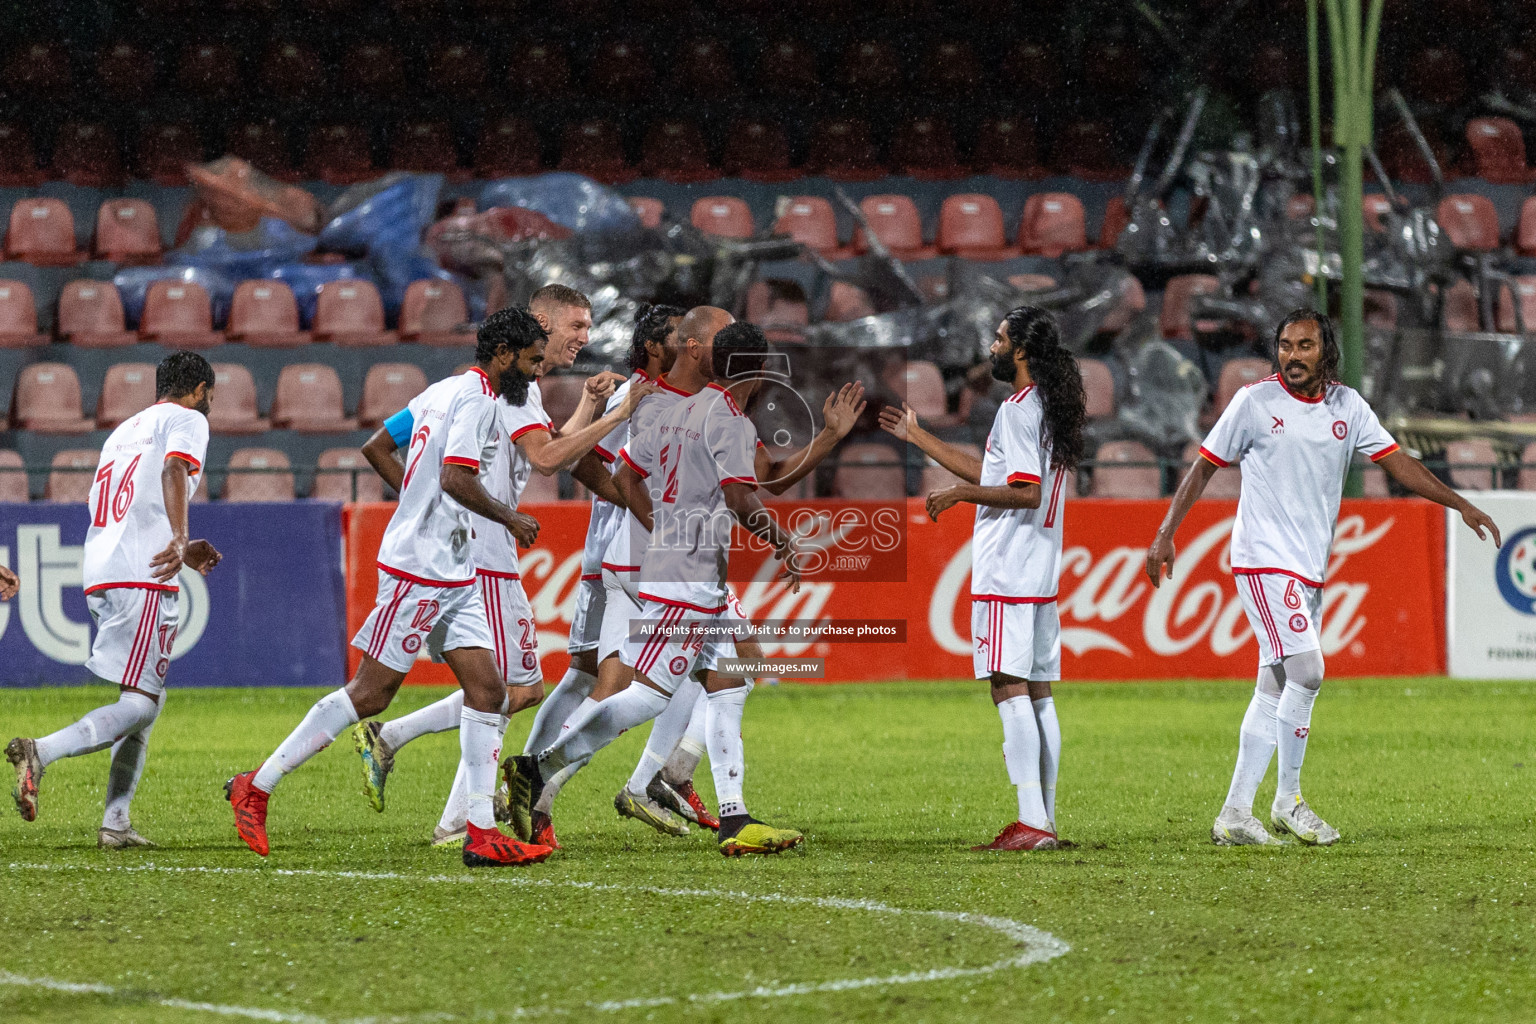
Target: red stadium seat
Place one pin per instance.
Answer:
(342, 474)
(1461, 312)
(1401, 157)
(350, 312)
(787, 69)
(265, 314)
(936, 477)
(42, 232)
(841, 148)
(386, 390)
(71, 475)
(703, 69)
(1032, 282)
(48, 400)
(1473, 464)
(178, 314)
(1237, 374)
(13, 480)
(593, 147)
(1053, 223)
(1377, 206)
(127, 232)
(1098, 386)
(1116, 220)
(125, 72)
(561, 393)
(1498, 150)
(780, 309)
(86, 153)
(208, 69)
(1126, 469)
(674, 150)
(1525, 289)
(1525, 231)
(1469, 221)
(18, 317)
(649, 210)
(18, 160)
(847, 302)
(340, 154)
(433, 313)
(372, 68)
(1436, 75)
(539, 69)
(309, 400)
(950, 68)
(162, 152)
(263, 145)
(91, 316)
(723, 216)
(620, 70)
(234, 402)
(257, 474)
(1226, 484)
(1084, 149)
(919, 383)
(508, 147)
(1005, 148)
(971, 226)
(757, 150)
(457, 70)
(895, 221)
(869, 472)
(810, 221)
(291, 71)
(870, 68)
(38, 70)
(128, 388)
(1177, 297)
(424, 147)
(924, 148)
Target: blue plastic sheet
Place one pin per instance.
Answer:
(306, 278)
(133, 283)
(389, 213)
(578, 203)
(247, 254)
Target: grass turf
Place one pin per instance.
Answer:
(1423, 912)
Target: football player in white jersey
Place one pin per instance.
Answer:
(1019, 489)
(427, 594)
(134, 548)
(1293, 435)
(702, 455)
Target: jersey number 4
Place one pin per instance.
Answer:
(121, 500)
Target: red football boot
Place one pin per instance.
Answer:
(1019, 836)
(250, 806)
(544, 831)
(492, 848)
(700, 809)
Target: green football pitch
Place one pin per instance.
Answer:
(1425, 910)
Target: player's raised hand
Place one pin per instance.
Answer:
(843, 409)
(167, 563)
(9, 584)
(941, 501)
(202, 556)
(638, 390)
(899, 424)
(1160, 558)
(1478, 520)
(523, 527)
(601, 385)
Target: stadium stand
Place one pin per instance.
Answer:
(178, 314)
(1126, 469)
(18, 316)
(69, 478)
(91, 316)
(255, 475)
(234, 408)
(48, 400)
(129, 388)
(265, 314)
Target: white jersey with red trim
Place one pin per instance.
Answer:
(626, 548)
(504, 477)
(1016, 552)
(457, 421)
(128, 521)
(1295, 453)
(607, 518)
(687, 457)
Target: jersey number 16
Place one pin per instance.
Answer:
(121, 500)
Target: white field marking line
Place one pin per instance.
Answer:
(1039, 946)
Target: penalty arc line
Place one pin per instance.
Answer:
(1039, 946)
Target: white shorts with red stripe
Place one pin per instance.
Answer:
(621, 606)
(587, 621)
(1283, 612)
(669, 659)
(512, 629)
(1016, 638)
(135, 628)
(407, 613)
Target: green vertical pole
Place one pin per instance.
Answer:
(1315, 100)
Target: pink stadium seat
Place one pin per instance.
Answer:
(234, 402)
(508, 147)
(340, 154)
(431, 313)
(309, 400)
(42, 232)
(1525, 287)
(1237, 374)
(178, 314)
(780, 309)
(561, 393)
(13, 480)
(650, 211)
(1527, 479)
(810, 221)
(1129, 304)
(971, 227)
(936, 477)
(263, 145)
(127, 232)
(1053, 223)
(1469, 221)
(594, 147)
(161, 153)
(208, 69)
(924, 148)
(424, 147)
(1177, 296)
(1226, 483)
(91, 316)
(342, 474)
(757, 150)
(265, 314)
(125, 71)
(350, 312)
(539, 68)
(18, 317)
(48, 400)
(919, 383)
(372, 68)
(255, 474)
(1005, 148)
(1098, 386)
(386, 390)
(1116, 220)
(847, 302)
(1126, 469)
(1032, 282)
(1473, 464)
(723, 216)
(869, 472)
(128, 388)
(895, 221)
(620, 70)
(674, 150)
(1497, 150)
(291, 71)
(1461, 313)
(18, 160)
(457, 69)
(71, 474)
(842, 149)
(86, 153)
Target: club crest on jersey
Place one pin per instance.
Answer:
(529, 661)
(678, 665)
(1340, 429)
(411, 644)
(1278, 427)
(1298, 623)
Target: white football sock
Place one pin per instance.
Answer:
(666, 733)
(573, 724)
(479, 748)
(329, 718)
(439, 716)
(99, 729)
(690, 750)
(727, 754)
(128, 756)
(1255, 746)
(552, 786)
(1050, 752)
(561, 703)
(632, 706)
(456, 810)
(1021, 755)
(1294, 721)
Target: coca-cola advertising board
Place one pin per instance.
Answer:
(1383, 607)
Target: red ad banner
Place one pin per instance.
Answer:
(1382, 608)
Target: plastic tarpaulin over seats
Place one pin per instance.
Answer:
(233, 195)
(570, 200)
(391, 212)
(244, 254)
(133, 284)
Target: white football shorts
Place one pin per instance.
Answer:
(512, 628)
(1283, 612)
(587, 620)
(407, 613)
(135, 630)
(1017, 639)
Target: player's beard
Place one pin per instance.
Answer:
(1002, 366)
(514, 385)
(1307, 384)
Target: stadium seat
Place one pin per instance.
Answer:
(38, 70)
(1129, 304)
(619, 70)
(1497, 150)
(263, 145)
(424, 147)
(48, 400)
(1403, 159)
(127, 389)
(91, 316)
(780, 309)
(936, 477)
(539, 69)
(1178, 294)
(1473, 464)
(841, 149)
(1526, 480)
(971, 227)
(1525, 288)
(1436, 75)
(703, 69)
(1126, 469)
(265, 314)
(810, 221)
(208, 69)
(919, 383)
(1525, 231)
(561, 393)
(127, 231)
(342, 474)
(255, 475)
(340, 154)
(457, 70)
(1380, 309)
(508, 147)
(42, 232)
(757, 150)
(13, 479)
(1116, 220)
(18, 160)
(18, 316)
(386, 390)
(125, 71)
(847, 302)
(950, 68)
(309, 400)
(1377, 206)
(674, 150)
(433, 312)
(649, 210)
(787, 68)
(178, 314)
(870, 68)
(372, 68)
(594, 147)
(1469, 221)
(1032, 282)
(291, 71)
(869, 472)
(1098, 386)
(86, 153)
(234, 408)
(1084, 150)
(924, 148)
(1461, 313)
(71, 474)
(1237, 374)
(895, 221)
(1053, 223)
(723, 217)
(350, 312)
(1226, 483)
(1005, 148)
